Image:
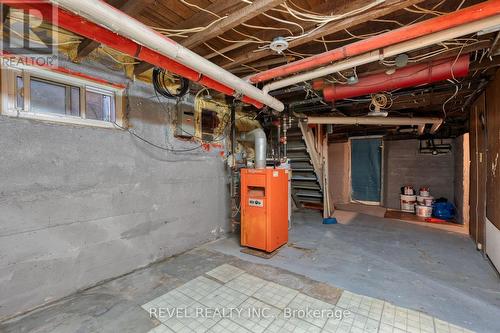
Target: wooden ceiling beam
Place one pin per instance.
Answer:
(267, 35)
(233, 20)
(387, 8)
(202, 18)
(142, 67)
(198, 19)
(225, 49)
(128, 7)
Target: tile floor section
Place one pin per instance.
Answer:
(229, 300)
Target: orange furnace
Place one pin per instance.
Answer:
(264, 208)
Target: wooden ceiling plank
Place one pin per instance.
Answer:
(142, 67)
(387, 8)
(225, 49)
(201, 18)
(233, 20)
(129, 7)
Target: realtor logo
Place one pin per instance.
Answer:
(28, 32)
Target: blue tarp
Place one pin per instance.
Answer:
(365, 169)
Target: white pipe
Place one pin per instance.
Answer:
(258, 136)
(101, 13)
(337, 67)
(386, 52)
(396, 121)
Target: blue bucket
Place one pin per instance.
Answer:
(329, 220)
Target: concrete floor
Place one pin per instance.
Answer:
(436, 272)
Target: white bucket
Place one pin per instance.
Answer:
(424, 211)
(424, 192)
(428, 201)
(408, 203)
(408, 190)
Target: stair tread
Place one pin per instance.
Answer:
(306, 189)
(311, 194)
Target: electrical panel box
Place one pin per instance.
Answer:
(264, 208)
(185, 120)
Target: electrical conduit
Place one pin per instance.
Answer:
(447, 21)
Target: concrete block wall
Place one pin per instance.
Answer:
(404, 165)
(79, 205)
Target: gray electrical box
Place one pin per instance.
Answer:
(185, 120)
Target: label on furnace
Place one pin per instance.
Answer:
(256, 202)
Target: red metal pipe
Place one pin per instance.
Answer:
(411, 76)
(90, 30)
(447, 21)
(30, 61)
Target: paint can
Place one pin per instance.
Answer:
(428, 201)
(420, 200)
(408, 190)
(408, 203)
(424, 192)
(424, 211)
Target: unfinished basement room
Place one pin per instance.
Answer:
(236, 166)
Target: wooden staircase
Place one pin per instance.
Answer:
(308, 164)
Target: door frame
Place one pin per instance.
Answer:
(382, 171)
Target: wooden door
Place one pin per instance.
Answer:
(493, 149)
(478, 170)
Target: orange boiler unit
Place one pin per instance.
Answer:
(264, 208)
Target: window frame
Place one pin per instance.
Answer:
(9, 96)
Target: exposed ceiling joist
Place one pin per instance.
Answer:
(233, 20)
(142, 67)
(387, 8)
(127, 6)
(85, 47)
(201, 18)
(225, 49)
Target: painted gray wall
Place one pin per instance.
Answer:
(79, 204)
(404, 165)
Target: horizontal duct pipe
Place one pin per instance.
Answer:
(109, 26)
(410, 76)
(387, 52)
(407, 33)
(393, 121)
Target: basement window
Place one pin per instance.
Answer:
(100, 105)
(52, 97)
(41, 94)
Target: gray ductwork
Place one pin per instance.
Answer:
(260, 141)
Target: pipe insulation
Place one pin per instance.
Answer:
(389, 51)
(410, 76)
(454, 19)
(258, 136)
(96, 20)
(366, 120)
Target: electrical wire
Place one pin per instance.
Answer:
(115, 59)
(159, 76)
